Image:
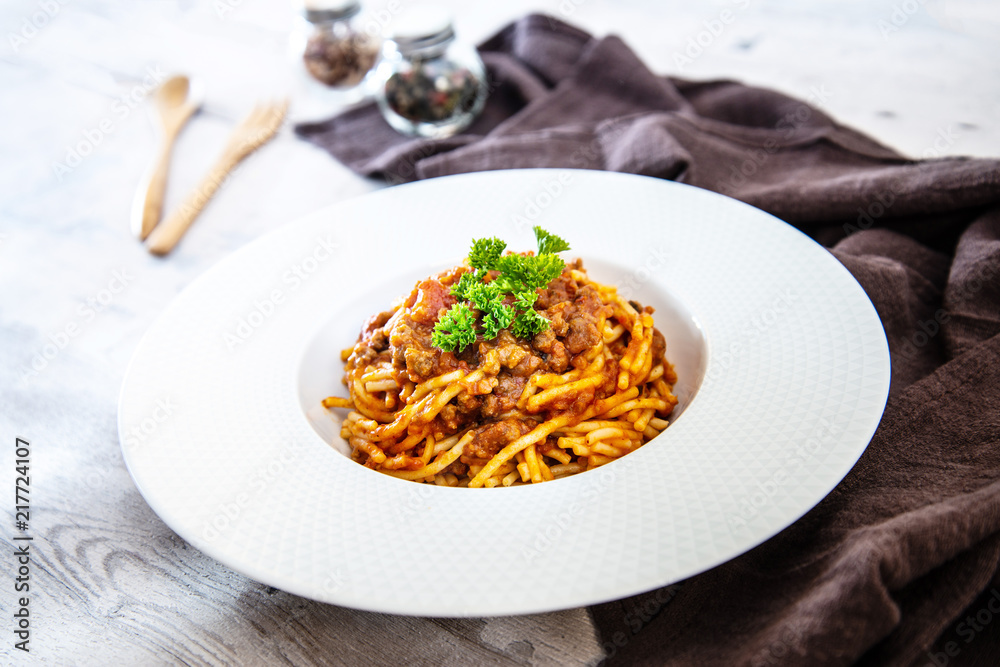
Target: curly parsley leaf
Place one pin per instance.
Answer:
(485, 252)
(526, 300)
(456, 328)
(543, 269)
(525, 273)
(460, 290)
(497, 319)
(488, 300)
(483, 295)
(549, 244)
(514, 275)
(528, 323)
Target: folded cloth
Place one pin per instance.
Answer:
(900, 564)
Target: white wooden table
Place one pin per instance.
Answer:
(109, 582)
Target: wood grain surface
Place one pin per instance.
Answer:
(112, 585)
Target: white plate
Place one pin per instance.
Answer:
(783, 374)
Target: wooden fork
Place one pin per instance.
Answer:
(256, 130)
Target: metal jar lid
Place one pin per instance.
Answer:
(322, 11)
(421, 28)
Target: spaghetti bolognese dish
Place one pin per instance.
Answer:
(513, 368)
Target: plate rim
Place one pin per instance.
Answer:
(217, 552)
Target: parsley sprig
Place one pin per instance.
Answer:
(518, 275)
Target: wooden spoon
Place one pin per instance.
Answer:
(256, 130)
(175, 100)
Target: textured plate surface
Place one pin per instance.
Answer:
(783, 374)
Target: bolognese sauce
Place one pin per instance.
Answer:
(591, 387)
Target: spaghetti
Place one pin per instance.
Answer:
(590, 388)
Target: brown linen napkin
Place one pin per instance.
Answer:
(900, 564)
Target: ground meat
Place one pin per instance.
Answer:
(512, 355)
(373, 326)
(588, 308)
(409, 334)
(457, 468)
(428, 301)
(588, 300)
(504, 397)
(558, 360)
(450, 418)
(379, 341)
(468, 403)
(490, 439)
(553, 350)
(559, 290)
(365, 355)
(527, 366)
(404, 338)
(544, 341)
(557, 316)
(658, 347)
(419, 363)
(582, 334)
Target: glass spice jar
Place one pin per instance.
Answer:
(428, 83)
(337, 52)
